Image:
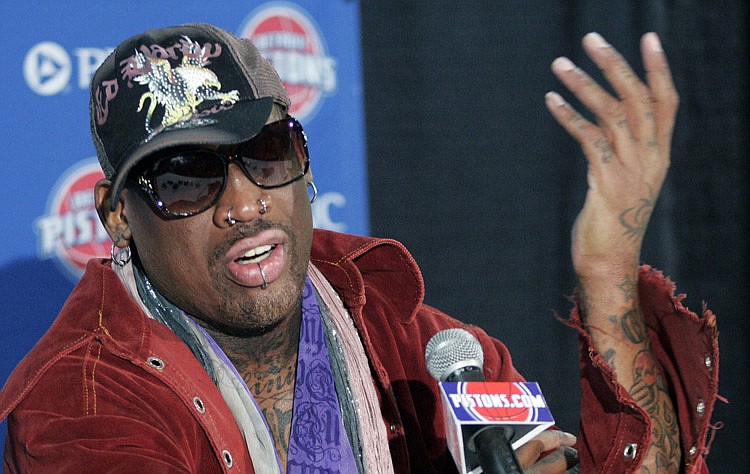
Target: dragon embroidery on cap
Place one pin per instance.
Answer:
(180, 90)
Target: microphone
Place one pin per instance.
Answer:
(454, 355)
(485, 417)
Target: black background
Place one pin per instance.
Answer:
(469, 170)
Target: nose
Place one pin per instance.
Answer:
(242, 200)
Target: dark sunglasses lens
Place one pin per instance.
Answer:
(188, 183)
(277, 156)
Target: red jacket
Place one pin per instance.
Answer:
(109, 390)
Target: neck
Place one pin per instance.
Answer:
(262, 352)
(268, 364)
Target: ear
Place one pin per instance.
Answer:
(115, 222)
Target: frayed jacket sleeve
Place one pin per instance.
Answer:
(614, 431)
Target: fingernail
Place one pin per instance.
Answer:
(598, 40)
(571, 437)
(653, 42)
(563, 64)
(553, 98)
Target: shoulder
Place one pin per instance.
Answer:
(99, 318)
(369, 269)
(75, 326)
(91, 409)
(106, 372)
(370, 254)
(381, 284)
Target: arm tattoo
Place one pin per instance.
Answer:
(628, 288)
(635, 219)
(633, 360)
(609, 357)
(633, 326)
(646, 380)
(650, 392)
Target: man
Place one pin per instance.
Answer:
(225, 335)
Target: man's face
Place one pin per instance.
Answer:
(211, 269)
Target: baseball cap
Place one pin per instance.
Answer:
(181, 85)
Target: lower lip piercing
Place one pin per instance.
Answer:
(263, 275)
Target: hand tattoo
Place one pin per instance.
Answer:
(605, 149)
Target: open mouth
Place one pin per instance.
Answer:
(256, 255)
(257, 260)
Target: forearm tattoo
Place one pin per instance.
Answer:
(646, 382)
(632, 325)
(635, 219)
(650, 392)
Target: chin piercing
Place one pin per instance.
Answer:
(263, 275)
(229, 219)
(263, 206)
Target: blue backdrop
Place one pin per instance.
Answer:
(51, 50)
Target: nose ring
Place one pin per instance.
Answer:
(262, 209)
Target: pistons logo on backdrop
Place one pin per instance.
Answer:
(70, 231)
(289, 39)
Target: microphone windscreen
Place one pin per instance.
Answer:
(450, 350)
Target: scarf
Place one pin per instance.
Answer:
(346, 361)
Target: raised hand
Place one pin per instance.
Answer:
(628, 154)
(627, 151)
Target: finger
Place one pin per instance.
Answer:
(609, 112)
(574, 470)
(548, 440)
(665, 97)
(561, 460)
(571, 458)
(635, 95)
(595, 144)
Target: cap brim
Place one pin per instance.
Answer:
(237, 124)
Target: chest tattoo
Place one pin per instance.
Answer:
(274, 392)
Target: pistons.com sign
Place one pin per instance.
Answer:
(70, 231)
(291, 41)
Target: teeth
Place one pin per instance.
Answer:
(258, 254)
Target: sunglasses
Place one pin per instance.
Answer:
(183, 183)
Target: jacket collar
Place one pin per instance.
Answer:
(96, 308)
(346, 260)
